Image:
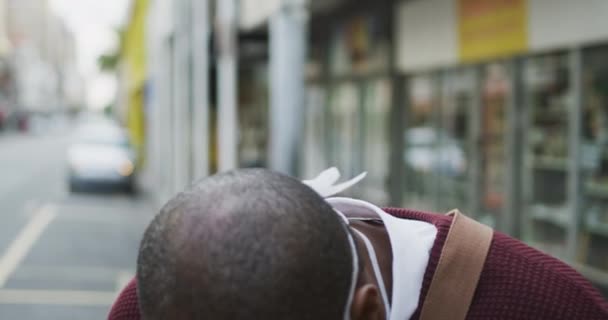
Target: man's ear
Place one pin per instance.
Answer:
(367, 304)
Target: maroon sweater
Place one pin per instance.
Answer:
(517, 282)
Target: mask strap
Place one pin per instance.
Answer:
(376, 267)
(355, 274)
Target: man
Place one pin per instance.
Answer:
(254, 244)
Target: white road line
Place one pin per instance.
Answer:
(23, 243)
(57, 297)
(30, 207)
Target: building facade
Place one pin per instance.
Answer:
(504, 98)
(6, 74)
(43, 59)
(133, 74)
(494, 107)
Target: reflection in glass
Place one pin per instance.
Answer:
(253, 117)
(594, 159)
(314, 160)
(421, 140)
(458, 99)
(377, 103)
(547, 156)
(344, 127)
(496, 93)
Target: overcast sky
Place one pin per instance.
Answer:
(93, 23)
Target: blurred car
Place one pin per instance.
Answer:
(101, 156)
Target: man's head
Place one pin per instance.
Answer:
(248, 244)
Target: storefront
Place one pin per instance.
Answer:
(505, 118)
(253, 113)
(438, 139)
(350, 97)
(594, 158)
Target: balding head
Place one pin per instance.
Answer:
(248, 244)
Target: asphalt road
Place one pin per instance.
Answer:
(62, 256)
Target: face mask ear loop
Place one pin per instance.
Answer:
(355, 274)
(376, 267)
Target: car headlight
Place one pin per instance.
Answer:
(126, 169)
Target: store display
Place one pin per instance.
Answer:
(314, 151)
(253, 117)
(344, 128)
(377, 107)
(594, 165)
(548, 110)
(421, 160)
(455, 145)
(496, 92)
(350, 99)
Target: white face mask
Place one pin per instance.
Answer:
(325, 185)
(375, 266)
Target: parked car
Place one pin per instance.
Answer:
(101, 156)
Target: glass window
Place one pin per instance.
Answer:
(344, 104)
(421, 140)
(548, 101)
(377, 105)
(459, 96)
(314, 160)
(253, 116)
(594, 159)
(496, 95)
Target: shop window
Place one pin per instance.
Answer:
(315, 133)
(344, 128)
(459, 95)
(547, 157)
(496, 95)
(377, 105)
(594, 160)
(422, 136)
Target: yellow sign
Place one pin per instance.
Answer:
(492, 28)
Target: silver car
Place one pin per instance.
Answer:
(101, 157)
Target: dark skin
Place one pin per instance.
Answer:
(367, 302)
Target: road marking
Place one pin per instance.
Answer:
(24, 242)
(57, 297)
(30, 207)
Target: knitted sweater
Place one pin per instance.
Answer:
(517, 282)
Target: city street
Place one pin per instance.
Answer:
(62, 256)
